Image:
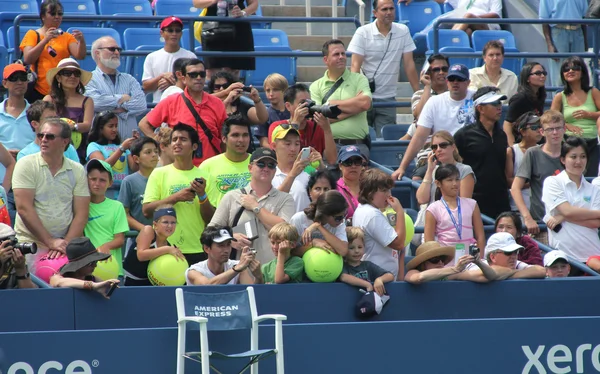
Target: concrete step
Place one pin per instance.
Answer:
(299, 11)
(313, 43)
(323, 29)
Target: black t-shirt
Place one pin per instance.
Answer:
(521, 103)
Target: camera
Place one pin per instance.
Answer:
(247, 89)
(372, 85)
(25, 248)
(329, 111)
(473, 250)
(59, 31)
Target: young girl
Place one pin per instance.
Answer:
(453, 220)
(104, 145)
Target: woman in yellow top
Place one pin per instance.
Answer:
(45, 47)
(579, 102)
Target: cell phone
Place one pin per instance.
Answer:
(305, 153)
(253, 250)
(113, 287)
(199, 180)
(557, 228)
(247, 89)
(135, 133)
(473, 250)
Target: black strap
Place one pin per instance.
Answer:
(236, 219)
(23, 55)
(385, 53)
(335, 86)
(200, 122)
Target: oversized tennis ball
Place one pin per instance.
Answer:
(75, 136)
(108, 269)
(46, 268)
(167, 270)
(321, 266)
(409, 225)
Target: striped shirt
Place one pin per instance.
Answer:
(106, 95)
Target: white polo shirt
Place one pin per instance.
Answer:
(298, 190)
(441, 112)
(370, 43)
(577, 241)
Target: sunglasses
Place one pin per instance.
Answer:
(54, 14)
(196, 74)
(262, 165)
(539, 73)
(443, 145)
(567, 69)
(353, 162)
(535, 127)
(340, 218)
(219, 86)
(113, 49)
(436, 260)
(70, 73)
(495, 103)
(93, 263)
(440, 68)
(23, 77)
(456, 79)
(172, 31)
(286, 126)
(43, 135)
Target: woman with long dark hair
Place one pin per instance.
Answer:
(530, 97)
(224, 86)
(511, 222)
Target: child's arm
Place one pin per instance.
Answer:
(339, 246)
(378, 285)
(430, 224)
(356, 282)
(132, 222)
(116, 243)
(282, 256)
(478, 227)
(145, 253)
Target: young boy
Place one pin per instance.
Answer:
(359, 273)
(285, 268)
(275, 85)
(107, 221)
(131, 195)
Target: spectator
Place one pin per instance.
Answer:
(229, 171)
(557, 264)
(105, 144)
(112, 90)
(43, 48)
(152, 242)
(274, 85)
(510, 222)
(571, 201)
(482, 145)
(352, 164)
(290, 176)
(530, 97)
(182, 185)
(77, 273)
(358, 273)
(67, 84)
(322, 224)
(320, 182)
(4, 214)
(157, 76)
(353, 99)
(373, 52)
(561, 37)
(163, 137)
(432, 261)
(384, 244)
(448, 111)
(13, 267)
(539, 163)
(579, 102)
(175, 109)
(453, 220)
(37, 114)
(478, 9)
(593, 262)
(259, 201)
(492, 73)
(315, 130)
(51, 193)
(144, 152)
(179, 85)
(218, 268)
(285, 267)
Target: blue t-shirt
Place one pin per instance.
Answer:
(32, 148)
(120, 168)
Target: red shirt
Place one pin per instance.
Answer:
(312, 135)
(173, 110)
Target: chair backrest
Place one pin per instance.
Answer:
(225, 311)
(448, 7)
(449, 38)
(270, 38)
(481, 37)
(134, 37)
(419, 13)
(394, 132)
(176, 8)
(13, 50)
(78, 7)
(20, 6)
(467, 61)
(132, 7)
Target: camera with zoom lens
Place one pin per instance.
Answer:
(25, 248)
(473, 250)
(329, 111)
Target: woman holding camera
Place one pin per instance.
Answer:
(224, 86)
(45, 47)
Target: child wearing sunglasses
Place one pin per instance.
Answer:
(322, 224)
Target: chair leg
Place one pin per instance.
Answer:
(254, 346)
(279, 346)
(204, 349)
(180, 348)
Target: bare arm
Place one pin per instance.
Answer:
(534, 271)
(467, 184)
(146, 127)
(575, 213)
(478, 227)
(32, 54)
(258, 114)
(430, 223)
(116, 243)
(416, 143)
(251, 7)
(268, 219)
(81, 208)
(78, 50)
(411, 71)
(557, 103)
(339, 246)
(198, 279)
(8, 161)
(111, 160)
(507, 127)
(421, 103)
(509, 169)
(548, 37)
(357, 61)
(88, 117)
(356, 282)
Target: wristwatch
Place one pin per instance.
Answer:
(122, 149)
(256, 210)
(22, 277)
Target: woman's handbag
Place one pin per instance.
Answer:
(217, 33)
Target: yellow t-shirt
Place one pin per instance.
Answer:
(223, 175)
(164, 182)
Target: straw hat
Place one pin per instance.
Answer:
(65, 63)
(429, 250)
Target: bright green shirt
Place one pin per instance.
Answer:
(164, 182)
(223, 175)
(293, 267)
(105, 220)
(354, 127)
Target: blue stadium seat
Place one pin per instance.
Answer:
(419, 14)
(260, 25)
(449, 38)
(3, 53)
(11, 9)
(389, 153)
(126, 8)
(394, 132)
(185, 40)
(135, 64)
(448, 7)
(372, 133)
(271, 40)
(10, 40)
(179, 8)
(467, 61)
(139, 39)
(91, 35)
(480, 37)
(78, 7)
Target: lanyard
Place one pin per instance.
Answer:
(457, 226)
(470, 4)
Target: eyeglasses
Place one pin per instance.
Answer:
(456, 79)
(553, 129)
(436, 260)
(43, 135)
(196, 74)
(219, 86)
(353, 162)
(172, 31)
(539, 73)
(23, 77)
(340, 217)
(567, 69)
(262, 165)
(113, 49)
(442, 145)
(70, 73)
(286, 126)
(440, 68)
(508, 254)
(54, 14)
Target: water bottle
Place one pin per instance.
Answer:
(222, 8)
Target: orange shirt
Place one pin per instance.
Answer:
(46, 62)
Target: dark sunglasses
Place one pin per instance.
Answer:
(443, 145)
(535, 127)
(340, 218)
(196, 74)
(18, 77)
(436, 260)
(219, 86)
(440, 68)
(93, 263)
(567, 69)
(54, 14)
(262, 165)
(495, 103)
(43, 135)
(456, 79)
(353, 162)
(70, 73)
(172, 31)
(113, 49)
(286, 126)
(539, 73)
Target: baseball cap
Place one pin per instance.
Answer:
(282, 130)
(528, 118)
(169, 21)
(503, 241)
(552, 256)
(223, 236)
(13, 68)
(349, 151)
(95, 163)
(489, 98)
(458, 70)
(164, 212)
(370, 304)
(263, 152)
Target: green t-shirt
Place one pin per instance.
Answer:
(164, 182)
(223, 175)
(293, 267)
(105, 220)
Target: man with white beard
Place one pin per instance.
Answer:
(112, 90)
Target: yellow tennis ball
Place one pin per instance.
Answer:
(409, 225)
(108, 269)
(321, 266)
(167, 270)
(75, 136)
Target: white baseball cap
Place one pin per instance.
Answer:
(551, 257)
(223, 235)
(489, 98)
(502, 241)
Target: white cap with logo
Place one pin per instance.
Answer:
(552, 256)
(502, 241)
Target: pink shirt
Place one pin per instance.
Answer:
(350, 199)
(445, 231)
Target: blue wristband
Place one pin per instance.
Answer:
(203, 197)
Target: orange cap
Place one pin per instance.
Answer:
(13, 68)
